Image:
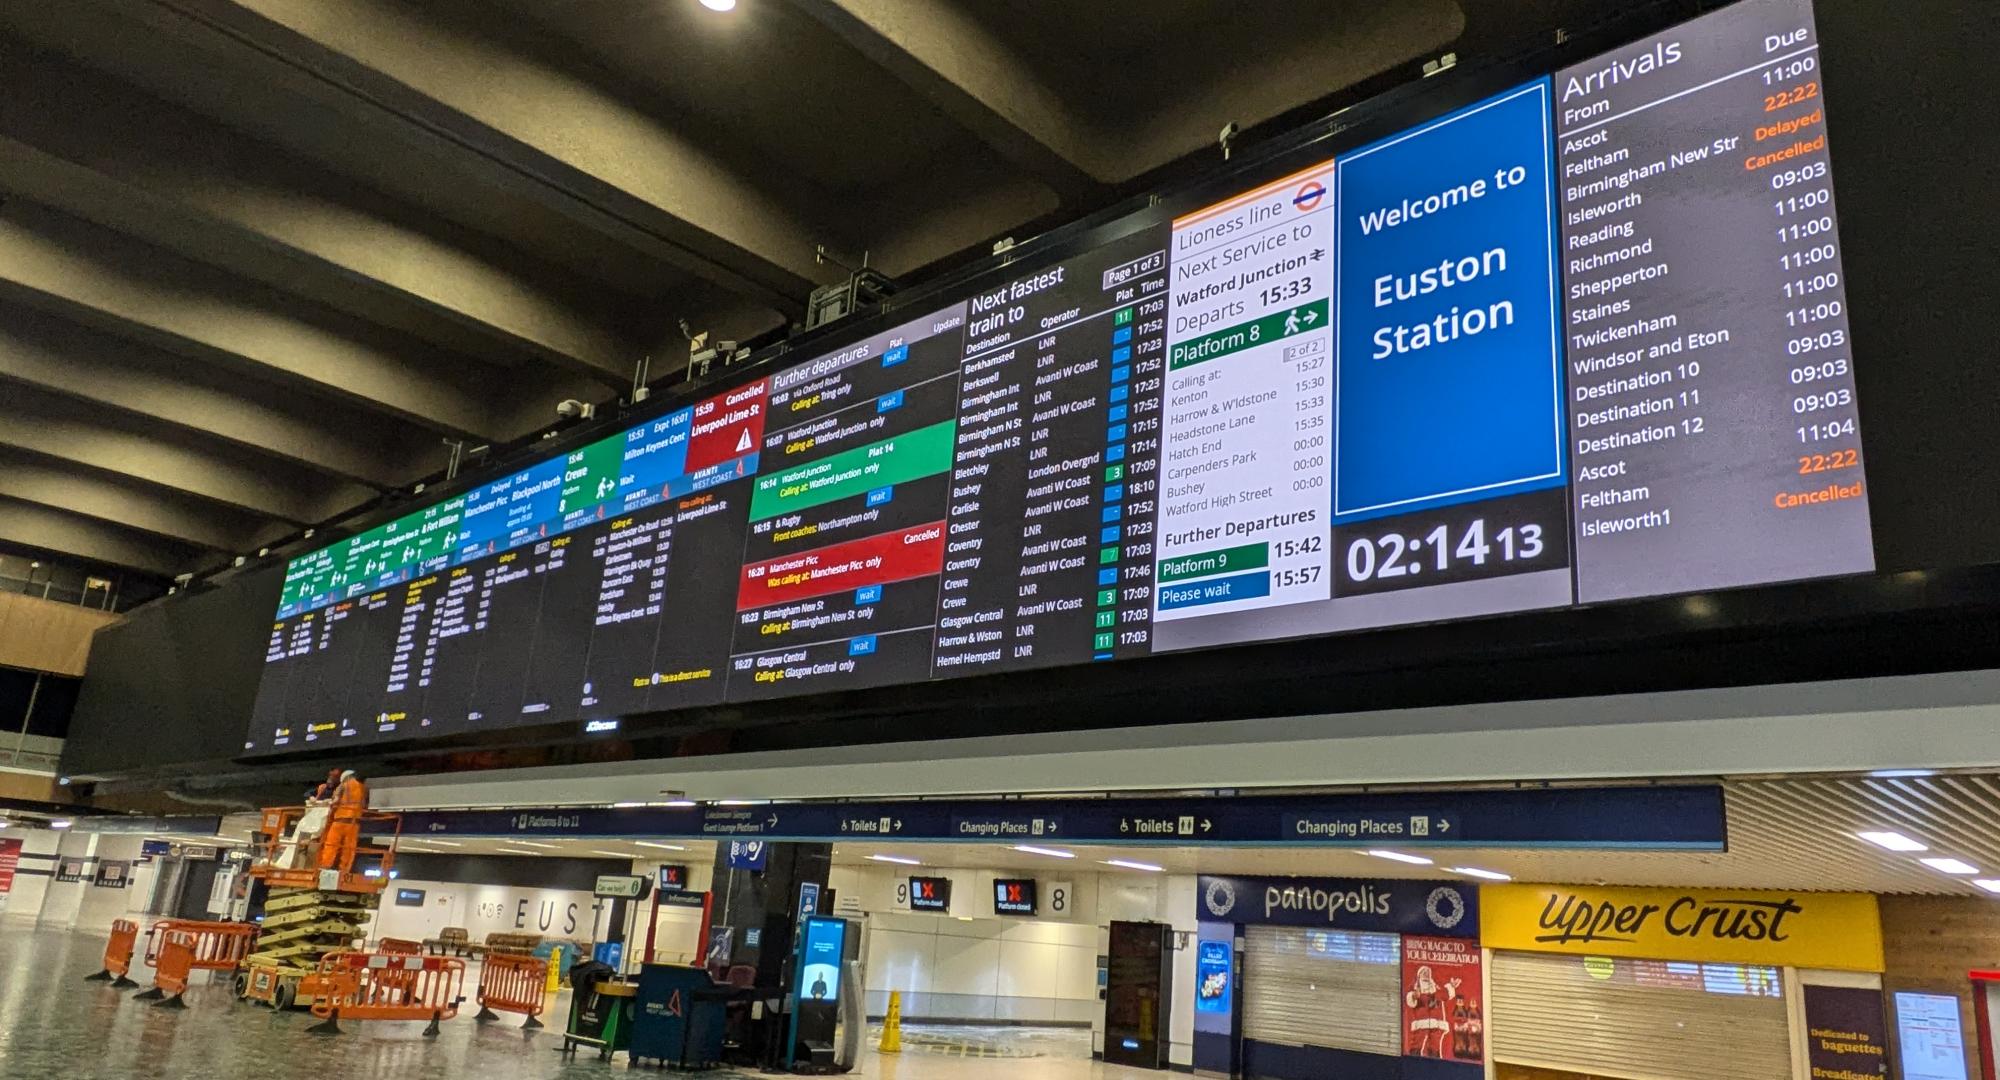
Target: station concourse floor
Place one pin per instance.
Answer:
(54, 1024)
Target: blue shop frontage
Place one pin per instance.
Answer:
(1365, 979)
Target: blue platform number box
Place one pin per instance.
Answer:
(1448, 376)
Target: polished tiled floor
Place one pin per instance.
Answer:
(53, 1024)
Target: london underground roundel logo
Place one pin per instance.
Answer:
(1220, 897)
(1309, 196)
(1445, 907)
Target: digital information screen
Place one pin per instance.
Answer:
(1014, 896)
(1584, 340)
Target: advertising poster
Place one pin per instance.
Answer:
(10, 858)
(1211, 977)
(1846, 1036)
(1444, 1008)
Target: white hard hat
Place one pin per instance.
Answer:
(347, 775)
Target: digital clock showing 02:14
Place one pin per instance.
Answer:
(1515, 535)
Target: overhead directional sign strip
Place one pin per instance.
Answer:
(1682, 818)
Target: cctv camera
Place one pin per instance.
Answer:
(572, 409)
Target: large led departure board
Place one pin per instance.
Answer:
(1582, 340)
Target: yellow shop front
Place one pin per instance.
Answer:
(1680, 984)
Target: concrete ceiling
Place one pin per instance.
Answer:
(259, 258)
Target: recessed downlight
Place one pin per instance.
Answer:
(1951, 866)
(1894, 841)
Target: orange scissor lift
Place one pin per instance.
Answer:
(310, 912)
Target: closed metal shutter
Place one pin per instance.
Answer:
(1639, 1019)
(1328, 988)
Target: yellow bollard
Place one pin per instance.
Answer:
(892, 1025)
(555, 969)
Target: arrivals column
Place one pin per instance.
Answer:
(1712, 407)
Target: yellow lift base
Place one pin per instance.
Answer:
(300, 927)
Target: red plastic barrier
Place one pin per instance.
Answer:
(517, 984)
(399, 947)
(380, 986)
(118, 954)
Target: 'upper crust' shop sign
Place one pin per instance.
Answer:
(1746, 926)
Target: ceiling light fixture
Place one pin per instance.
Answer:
(1991, 885)
(719, 5)
(1950, 866)
(898, 859)
(1474, 871)
(519, 851)
(662, 847)
(626, 805)
(1052, 853)
(615, 854)
(544, 847)
(61, 823)
(680, 804)
(1894, 841)
(1901, 774)
(1128, 865)
(1397, 856)
(440, 843)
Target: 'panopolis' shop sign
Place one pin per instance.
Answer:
(1743, 926)
(1436, 908)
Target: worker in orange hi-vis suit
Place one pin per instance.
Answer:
(343, 833)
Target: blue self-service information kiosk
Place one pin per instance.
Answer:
(818, 966)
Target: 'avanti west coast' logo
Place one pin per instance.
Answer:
(1568, 918)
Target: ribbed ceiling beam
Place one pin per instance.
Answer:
(85, 272)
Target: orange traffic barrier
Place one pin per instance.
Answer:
(380, 986)
(173, 960)
(118, 954)
(211, 946)
(517, 984)
(219, 946)
(399, 947)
